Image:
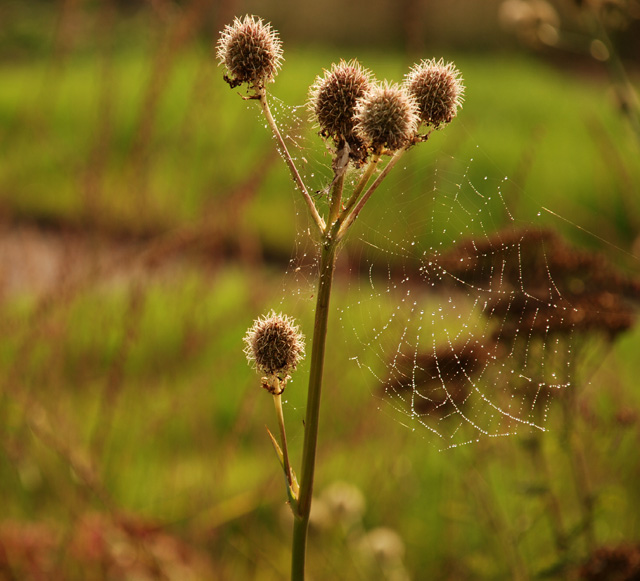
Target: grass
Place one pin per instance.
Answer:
(185, 444)
(143, 383)
(201, 141)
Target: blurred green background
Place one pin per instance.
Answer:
(145, 221)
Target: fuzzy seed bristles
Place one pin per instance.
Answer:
(333, 97)
(387, 117)
(438, 90)
(274, 345)
(251, 51)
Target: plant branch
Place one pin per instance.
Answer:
(364, 179)
(350, 218)
(264, 104)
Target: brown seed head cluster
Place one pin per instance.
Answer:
(437, 87)
(609, 563)
(332, 101)
(436, 383)
(274, 345)
(567, 289)
(251, 51)
(386, 118)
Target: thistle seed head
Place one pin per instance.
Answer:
(274, 345)
(250, 50)
(333, 97)
(438, 89)
(386, 117)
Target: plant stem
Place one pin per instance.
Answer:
(264, 104)
(301, 520)
(332, 234)
(277, 400)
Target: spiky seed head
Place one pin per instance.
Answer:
(250, 50)
(333, 97)
(438, 90)
(386, 117)
(274, 345)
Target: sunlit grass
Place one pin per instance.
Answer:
(148, 377)
(185, 434)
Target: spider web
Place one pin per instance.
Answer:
(461, 315)
(463, 323)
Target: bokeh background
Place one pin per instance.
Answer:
(146, 220)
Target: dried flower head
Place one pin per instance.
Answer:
(251, 51)
(333, 97)
(386, 117)
(419, 379)
(587, 294)
(438, 90)
(274, 345)
(607, 563)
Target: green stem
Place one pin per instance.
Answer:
(264, 104)
(301, 520)
(349, 218)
